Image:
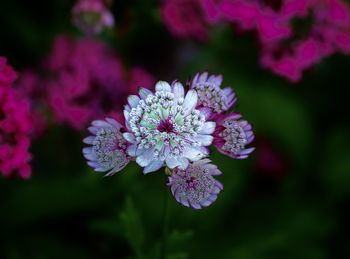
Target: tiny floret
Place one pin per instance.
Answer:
(108, 147)
(196, 187)
(211, 95)
(232, 135)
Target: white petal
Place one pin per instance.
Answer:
(93, 129)
(217, 80)
(193, 154)
(195, 80)
(172, 162)
(100, 123)
(144, 93)
(178, 90)
(154, 166)
(133, 100)
(114, 123)
(129, 137)
(190, 101)
(202, 162)
(205, 140)
(131, 151)
(146, 158)
(89, 140)
(208, 128)
(195, 206)
(183, 163)
(184, 201)
(203, 77)
(163, 86)
(87, 150)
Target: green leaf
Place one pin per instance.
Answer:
(133, 229)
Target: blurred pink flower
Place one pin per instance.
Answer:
(185, 18)
(7, 74)
(30, 85)
(270, 161)
(283, 52)
(88, 81)
(15, 126)
(92, 16)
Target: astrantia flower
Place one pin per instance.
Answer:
(196, 187)
(211, 95)
(92, 16)
(108, 147)
(165, 127)
(232, 135)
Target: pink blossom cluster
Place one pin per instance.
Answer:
(283, 51)
(88, 81)
(15, 126)
(31, 85)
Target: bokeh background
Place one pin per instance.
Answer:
(289, 199)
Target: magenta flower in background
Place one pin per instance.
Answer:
(31, 85)
(92, 16)
(15, 126)
(270, 161)
(232, 135)
(282, 51)
(185, 18)
(88, 81)
(196, 187)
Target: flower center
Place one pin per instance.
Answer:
(211, 96)
(234, 136)
(107, 147)
(166, 126)
(159, 121)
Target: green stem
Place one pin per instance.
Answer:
(165, 224)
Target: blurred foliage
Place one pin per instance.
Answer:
(67, 210)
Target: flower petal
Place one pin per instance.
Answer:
(143, 92)
(205, 140)
(146, 158)
(154, 166)
(163, 86)
(190, 101)
(178, 90)
(133, 100)
(208, 128)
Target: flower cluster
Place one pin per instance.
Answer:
(15, 126)
(87, 80)
(273, 21)
(173, 128)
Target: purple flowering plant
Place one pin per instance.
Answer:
(172, 127)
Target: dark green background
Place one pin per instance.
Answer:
(67, 211)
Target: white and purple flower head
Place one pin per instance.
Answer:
(165, 128)
(196, 187)
(232, 135)
(172, 128)
(108, 147)
(210, 94)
